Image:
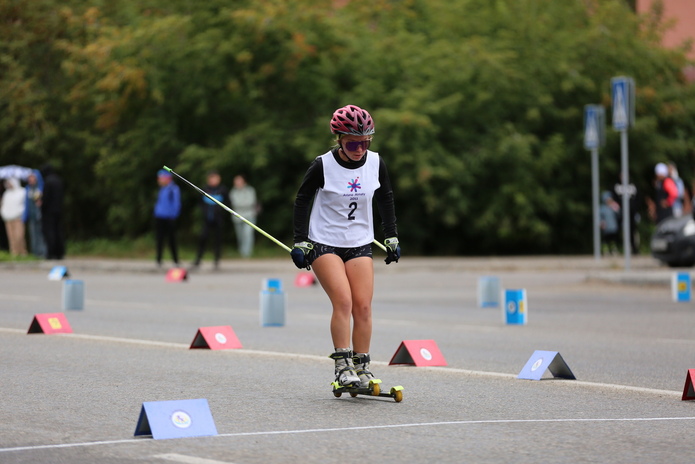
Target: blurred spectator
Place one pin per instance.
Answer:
(243, 198)
(52, 213)
(32, 214)
(12, 210)
(665, 194)
(680, 185)
(213, 218)
(609, 214)
(4, 243)
(166, 211)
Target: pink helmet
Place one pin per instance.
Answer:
(352, 120)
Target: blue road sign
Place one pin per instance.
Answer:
(623, 96)
(593, 127)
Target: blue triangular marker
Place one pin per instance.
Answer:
(58, 273)
(540, 361)
(175, 419)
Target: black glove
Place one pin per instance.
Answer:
(300, 254)
(393, 250)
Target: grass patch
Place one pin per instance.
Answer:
(5, 256)
(144, 248)
(139, 248)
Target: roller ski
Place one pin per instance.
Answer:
(353, 377)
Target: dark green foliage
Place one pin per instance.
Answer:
(478, 107)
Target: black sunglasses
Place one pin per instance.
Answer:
(354, 146)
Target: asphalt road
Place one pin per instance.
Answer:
(76, 398)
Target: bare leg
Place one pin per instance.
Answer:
(331, 273)
(360, 274)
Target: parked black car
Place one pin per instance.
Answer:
(673, 242)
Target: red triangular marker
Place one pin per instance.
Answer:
(49, 323)
(177, 274)
(304, 279)
(216, 338)
(418, 353)
(688, 391)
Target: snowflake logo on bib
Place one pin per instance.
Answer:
(354, 185)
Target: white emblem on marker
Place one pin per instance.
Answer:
(220, 338)
(425, 353)
(181, 419)
(511, 307)
(537, 364)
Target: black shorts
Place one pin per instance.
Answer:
(346, 254)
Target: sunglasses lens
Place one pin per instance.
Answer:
(354, 146)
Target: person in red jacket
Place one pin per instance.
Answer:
(666, 193)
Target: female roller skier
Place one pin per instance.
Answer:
(335, 235)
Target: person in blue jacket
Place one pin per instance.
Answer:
(166, 211)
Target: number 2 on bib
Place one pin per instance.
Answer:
(351, 214)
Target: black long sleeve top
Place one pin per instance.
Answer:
(313, 180)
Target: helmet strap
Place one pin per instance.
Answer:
(340, 149)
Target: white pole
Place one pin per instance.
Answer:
(627, 249)
(595, 203)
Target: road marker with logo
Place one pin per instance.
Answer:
(489, 292)
(49, 323)
(540, 361)
(515, 307)
(681, 287)
(272, 303)
(418, 353)
(220, 337)
(175, 419)
(73, 295)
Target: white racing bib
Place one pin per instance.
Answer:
(342, 211)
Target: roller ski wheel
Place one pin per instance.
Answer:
(396, 393)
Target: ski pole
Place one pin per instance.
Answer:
(380, 245)
(240, 217)
(232, 212)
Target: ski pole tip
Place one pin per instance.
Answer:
(167, 168)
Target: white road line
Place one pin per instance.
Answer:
(359, 428)
(7, 329)
(188, 459)
(310, 357)
(132, 341)
(611, 386)
(472, 422)
(675, 340)
(70, 445)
